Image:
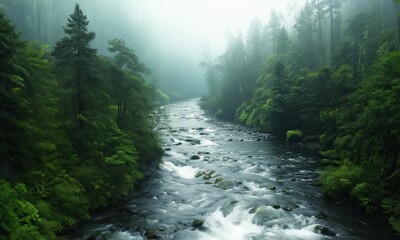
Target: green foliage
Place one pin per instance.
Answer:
(294, 135)
(340, 181)
(348, 95)
(19, 218)
(391, 206)
(75, 132)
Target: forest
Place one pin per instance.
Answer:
(76, 132)
(334, 82)
(79, 112)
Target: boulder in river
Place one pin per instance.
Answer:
(225, 184)
(324, 231)
(193, 141)
(152, 234)
(197, 223)
(195, 157)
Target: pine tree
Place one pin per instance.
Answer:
(75, 57)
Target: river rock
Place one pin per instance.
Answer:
(193, 141)
(276, 206)
(324, 231)
(207, 177)
(225, 185)
(195, 157)
(228, 207)
(253, 210)
(290, 207)
(197, 223)
(151, 234)
(217, 180)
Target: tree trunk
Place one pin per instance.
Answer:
(332, 28)
(398, 18)
(50, 15)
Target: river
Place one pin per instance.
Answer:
(225, 182)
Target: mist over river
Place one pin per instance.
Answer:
(218, 180)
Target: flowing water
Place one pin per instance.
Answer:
(231, 183)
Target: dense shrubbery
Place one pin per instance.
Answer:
(76, 129)
(352, 107)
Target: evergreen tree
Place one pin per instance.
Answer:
(75, 58)
(274, 26)
(76, 64)
(283, 46)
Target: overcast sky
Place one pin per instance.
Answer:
(206, 21)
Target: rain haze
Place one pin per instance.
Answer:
(183, 31)
(172, 37)
(200, 119)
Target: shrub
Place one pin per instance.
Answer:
(294, 135)
(340, 181)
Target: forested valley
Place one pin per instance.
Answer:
(334, 83)
(80, 114)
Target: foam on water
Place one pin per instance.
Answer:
(185, 172)
(206, 142)
(124, 236)
(237, 225)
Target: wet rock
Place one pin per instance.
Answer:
(276, 206)
(230, 140)
(151, 234)
(206, 153)
(324, 231)
(167, 149)
(203, 133)
(129, 209)
(193, 141)
(195, 157)
(197, 223)
(225, 185)
(228, 207)
(253, 210)
(272, 188)
(198, 174)
(217, 180)
(177, 144)
(200, 129)
(290, 207)
(207, 177)
(241, 140)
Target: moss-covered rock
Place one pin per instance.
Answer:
(294, 135)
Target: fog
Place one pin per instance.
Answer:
(169, 36)
(182, 31)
